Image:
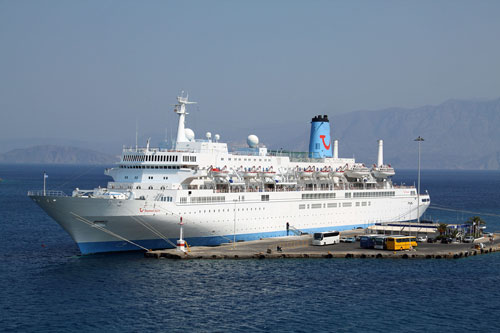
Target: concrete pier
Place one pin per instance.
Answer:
(300, 247)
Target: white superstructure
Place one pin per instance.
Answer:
(226, 196)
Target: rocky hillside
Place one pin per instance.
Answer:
(49, 154)
(458, 135)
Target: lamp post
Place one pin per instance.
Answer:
(234, 224)
(419, 140)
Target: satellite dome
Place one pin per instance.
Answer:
(217, 137)
(189, 134)
(253, 141)
(208, 135)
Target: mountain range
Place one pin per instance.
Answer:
(51, 154)
(458, 134)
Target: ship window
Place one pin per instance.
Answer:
(138, 187)
(357, 204)
(151, 187)
(265, 197)
(301, 206)
(363, 203)
(347, 204)
(332, 205)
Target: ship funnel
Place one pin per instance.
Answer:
(336, 149)
(380, 159)
(319, 142)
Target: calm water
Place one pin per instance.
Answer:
(46, 286)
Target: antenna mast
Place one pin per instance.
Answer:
(136, 134)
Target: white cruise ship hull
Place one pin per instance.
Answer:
(224, 196)
(110, 225)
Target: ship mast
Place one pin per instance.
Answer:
(180, 109)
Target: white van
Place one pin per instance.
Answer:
(326, 238)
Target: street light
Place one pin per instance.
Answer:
(419, 140)
(234, 224)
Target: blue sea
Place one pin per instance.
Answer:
(46, 286)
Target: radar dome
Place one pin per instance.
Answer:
(217, 137)
(208, 135)
(189, 134)
(253, 141)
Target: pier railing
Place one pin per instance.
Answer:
(42, 193)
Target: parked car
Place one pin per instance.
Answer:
(421, 238)
(431, 240)
(469, 239)
(446, 240)
(347, 239)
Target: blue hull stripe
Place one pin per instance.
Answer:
(118, 246)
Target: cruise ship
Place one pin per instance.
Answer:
(220, 196)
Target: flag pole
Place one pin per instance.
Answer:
(44, 177)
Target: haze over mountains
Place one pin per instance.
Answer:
(458, 135)
(49, 154)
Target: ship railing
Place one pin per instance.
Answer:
(48, 193)
(156, 150)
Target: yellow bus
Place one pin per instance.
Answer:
(396, 243)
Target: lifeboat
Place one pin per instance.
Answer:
(219, 173)
(324, 172)
(357, 171)
(250, 173)
(268, 175)
(383, 171)
(307, 172)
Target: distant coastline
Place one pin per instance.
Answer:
(52, 154)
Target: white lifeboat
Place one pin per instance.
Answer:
(219, 173)
(307, 172)
(250, 173)
(323, 172)
(383, 171)
(358, 170)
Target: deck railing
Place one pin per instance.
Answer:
(48, 193)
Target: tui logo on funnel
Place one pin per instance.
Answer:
(319, 141)
(324, 143)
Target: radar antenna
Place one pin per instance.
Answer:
(180, 109)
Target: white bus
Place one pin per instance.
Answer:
(326, 238)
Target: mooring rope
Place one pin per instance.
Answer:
(90, 223)
(438, 207)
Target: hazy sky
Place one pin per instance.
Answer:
(89, 69)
